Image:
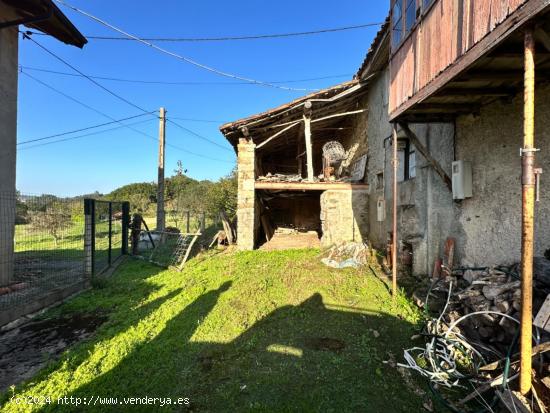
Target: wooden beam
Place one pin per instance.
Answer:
(458, 108)
(480, 91)
(310, 186)
(426, 154)
(512, 23)
(277, 134)
(337, 115)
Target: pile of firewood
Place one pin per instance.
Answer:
(494, 291)
(474, 334)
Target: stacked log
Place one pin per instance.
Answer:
(493, 290)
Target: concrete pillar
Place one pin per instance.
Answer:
(246, 226)
(8, 138)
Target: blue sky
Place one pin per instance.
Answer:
(105, 161)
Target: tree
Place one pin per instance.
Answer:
(223, 196)
(52, 221)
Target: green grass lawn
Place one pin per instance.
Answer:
(249, 331)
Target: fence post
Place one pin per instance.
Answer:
(125, 226)
(203, 222)
(188, 223)
(89, 237)
(110, 232)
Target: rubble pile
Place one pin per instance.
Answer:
(293, 178)
(495, 291)
(281, 178)
(353, 254)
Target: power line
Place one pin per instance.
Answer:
(230, 38)
(120, 97)
(199, 120)
(86, 76)
(198, 154)
(177, 56)
(183, 83)
(122, 124)
(81, 129)
(80, 102)
(85, 135)
(197, 135)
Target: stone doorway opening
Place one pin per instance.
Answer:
(289, 219)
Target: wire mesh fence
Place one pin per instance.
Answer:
(41, 246)
(108, 234)
(172, 246)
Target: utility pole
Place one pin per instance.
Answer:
(160, 181)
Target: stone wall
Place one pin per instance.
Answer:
(490, 221)
(247, 211)
(425, 206)
(344, 216)
(8, 138)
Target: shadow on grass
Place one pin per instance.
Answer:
(41, 341)
(308, 357)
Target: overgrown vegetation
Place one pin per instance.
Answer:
(182, 193)
(250, 331)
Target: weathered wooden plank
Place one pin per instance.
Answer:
(426, 154)
(448, 31)
(477, 40)
(309, 186)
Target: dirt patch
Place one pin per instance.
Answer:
(298, 240)
(325, 344)
(25, 350)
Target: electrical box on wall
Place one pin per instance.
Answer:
(381, 210)
(462, 180)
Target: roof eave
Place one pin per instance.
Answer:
(57, 25)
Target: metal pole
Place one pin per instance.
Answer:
(528, 213)
(394, 212)
(160, 180)
(125, 226)
(93, 228)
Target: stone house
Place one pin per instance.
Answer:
(44, 16)
(283, 180)
(464, 105)
(460, 108)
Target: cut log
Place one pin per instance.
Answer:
(227, 227)
(468, 294)
(503, 306)
(493, 290)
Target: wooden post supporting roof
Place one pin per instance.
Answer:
(426, 154)
(528, 213)
(307, 133)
